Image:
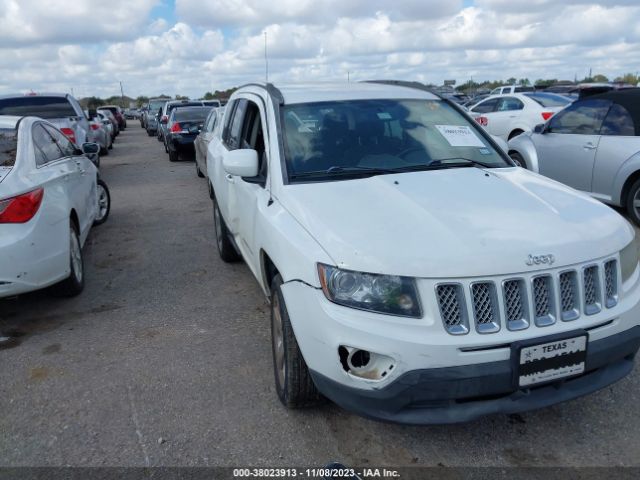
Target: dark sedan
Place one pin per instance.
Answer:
(183, 127)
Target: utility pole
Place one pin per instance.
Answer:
(348, 76)
(266, 58)
(122, 95)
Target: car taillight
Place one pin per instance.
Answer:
(95, 126)
(22, 208)
(176, 128)
(547, 115)
(69, 133)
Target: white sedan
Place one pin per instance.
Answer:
(507, 116)
(49, 199)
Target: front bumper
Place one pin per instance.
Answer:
(464, 393)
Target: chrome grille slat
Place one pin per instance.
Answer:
(611, 283)
(591, 285)
(515, 305)
(485, 311)
(451, 303)
(569, 299)
(543, 300)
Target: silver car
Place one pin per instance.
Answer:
(593, 145)
(201, 142)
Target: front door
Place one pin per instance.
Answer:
(567, 148)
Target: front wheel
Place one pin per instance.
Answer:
(198, 171)
(633, 202)
(294, 385)
(104, 203)
(226, 249)
(74, 284)
(518, 160)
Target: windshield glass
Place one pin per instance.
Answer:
(8, 147)
(549, 99)
(381, 134)
(197, 114)
(43, 107)
(155, 105)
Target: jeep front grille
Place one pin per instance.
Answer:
(569, 300)
(452, 309)
(543, 300)
(537, 299)
(591, 290)
(611, 283)
(515, 304)
(485, 311)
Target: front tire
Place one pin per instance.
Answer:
(198, 171)
(226, 249)
(104, 203)
(633, 202)
(74, 284)
(294, 385)
(518, 160)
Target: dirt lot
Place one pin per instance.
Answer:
(165, 360)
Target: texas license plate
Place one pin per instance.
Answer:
(551, 359)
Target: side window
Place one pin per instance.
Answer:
(253, 136)
(618, 122)
(581, 118)
(68, 150)
(46, 148)
(486, 106)
(211, 122)
(509, 103)
(234, 125)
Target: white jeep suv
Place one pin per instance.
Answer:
(415, 274)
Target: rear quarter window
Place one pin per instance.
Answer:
(8, 147)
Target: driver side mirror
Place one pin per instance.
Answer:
(90, 148)
(241, 163)
(539, 128)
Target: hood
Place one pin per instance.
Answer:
(461, 222)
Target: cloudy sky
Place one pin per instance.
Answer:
(190, 46)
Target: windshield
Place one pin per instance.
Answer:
(43, 107)
(382, 134)
(8, 147)
(197, 114)
(156, 105)
(549, 99)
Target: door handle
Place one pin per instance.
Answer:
(589, 146)
(229, 178)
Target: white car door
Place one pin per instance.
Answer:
(567, 147)
(82, 184)
(249, 193)
(508, 110)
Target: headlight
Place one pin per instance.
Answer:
(629, 260)
(368, 291)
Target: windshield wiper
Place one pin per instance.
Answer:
(465, 161)
(345, 171)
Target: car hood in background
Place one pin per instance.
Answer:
(453, 223)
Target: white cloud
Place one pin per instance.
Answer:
(220, 43)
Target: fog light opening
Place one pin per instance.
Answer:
(359, 359)
(364, 364)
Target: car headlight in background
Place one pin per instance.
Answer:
(389, 294)
(629, 260)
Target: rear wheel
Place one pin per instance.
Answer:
(633, 202)
(294, 385)
(173, 155)
(226, 249)
(74, 284)
(104, 203)
(518, 160)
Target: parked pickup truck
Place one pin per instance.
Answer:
(60, 109)
(415, 274)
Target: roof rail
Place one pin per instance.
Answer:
(407, 84)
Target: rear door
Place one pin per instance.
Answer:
(81, 185)
(567, 148)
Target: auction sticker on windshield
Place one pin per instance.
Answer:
(552, 360)
(459, 136)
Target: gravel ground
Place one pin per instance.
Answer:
(165, 360)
